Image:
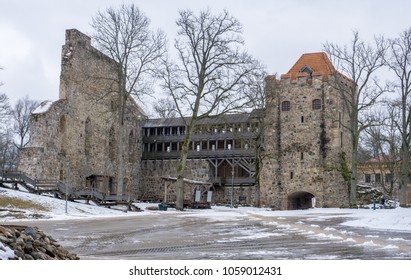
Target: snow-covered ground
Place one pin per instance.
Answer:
(57, 208)
(389, 219)
(392, 219)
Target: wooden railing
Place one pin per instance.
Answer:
(60, 188)
(193, 154)
(237, 181)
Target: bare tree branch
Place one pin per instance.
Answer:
(399, 62)
(20, 115)
(356, 66)
(210, 75)
(124, 35)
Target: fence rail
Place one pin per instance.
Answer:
(61, 189)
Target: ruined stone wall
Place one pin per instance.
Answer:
(303, 146)
(78, 133)
(152, 186)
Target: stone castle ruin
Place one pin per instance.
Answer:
(74, 138)
(287, 156)
(305, 142)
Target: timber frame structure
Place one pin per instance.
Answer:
(227, 143)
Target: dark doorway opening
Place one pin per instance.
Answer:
(301, 200)
(101, 183)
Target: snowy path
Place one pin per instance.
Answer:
(225, 234)
(218, 233)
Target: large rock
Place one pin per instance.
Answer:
(29, 243)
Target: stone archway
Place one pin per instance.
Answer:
(300, 200)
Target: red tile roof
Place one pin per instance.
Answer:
(319, 63)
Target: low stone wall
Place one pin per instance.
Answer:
(29, 243)
(152, 186)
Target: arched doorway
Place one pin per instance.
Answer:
(300, 200)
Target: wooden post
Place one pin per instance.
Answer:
(165, 191)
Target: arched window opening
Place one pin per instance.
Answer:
(132, 146)
(88, 139)
(316, 104)
(62, 134)
(62, 124)
(285, 106)
(112, 144)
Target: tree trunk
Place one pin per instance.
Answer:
(120, 144)
(353, 183)
(404, 177)
(405, 151)
(354, 159)
(181, 167)
(259, 163)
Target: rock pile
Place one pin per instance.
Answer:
(29, 243)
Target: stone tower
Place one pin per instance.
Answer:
(305, 143)
(74, 138)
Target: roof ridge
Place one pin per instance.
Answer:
(316, 61)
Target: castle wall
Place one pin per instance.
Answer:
(152, 172)
(303, 146)
(77, 134)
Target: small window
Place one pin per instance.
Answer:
(302, 119)
(388, 178)
(316, 104)
(285, 106)
(302, 156)
(291, 175)
(368, 178)
(378, 178)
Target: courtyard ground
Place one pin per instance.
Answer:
(95, 232)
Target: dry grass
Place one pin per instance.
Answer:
(17, 203)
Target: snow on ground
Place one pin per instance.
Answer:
(382, 219)
(392, 219)
(5, 252)
(57, 208)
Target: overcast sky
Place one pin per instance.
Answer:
(276, 32)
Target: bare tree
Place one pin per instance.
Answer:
(399, 62)
(124, 35)
(165, 108)
(206, 81)
(254, 89)
(6, 147)
(8, 151)
(20, 115)
(4, 105)
(1, 83)
(384, 142)
(359, 62)
(4, 109)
